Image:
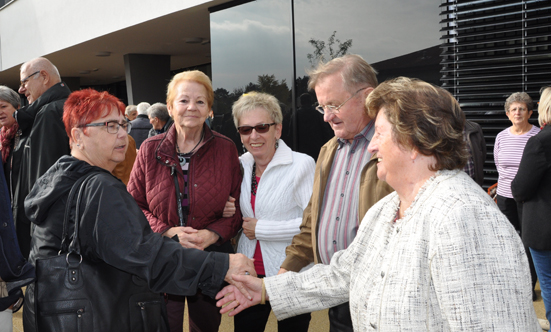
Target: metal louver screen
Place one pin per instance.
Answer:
(491, 49)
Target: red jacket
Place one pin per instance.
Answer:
(214, 175)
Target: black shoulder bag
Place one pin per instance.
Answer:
(73, 293)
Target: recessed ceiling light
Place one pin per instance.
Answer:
(84, 72)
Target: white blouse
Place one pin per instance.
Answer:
(452, 263)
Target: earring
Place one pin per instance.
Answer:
(277, 144)
(244, 149)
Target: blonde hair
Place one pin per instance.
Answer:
(194, 76)
(544, 108)
(424, 117)
(253, 100)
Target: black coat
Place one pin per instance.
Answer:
(13, 268)
(140, 129)
(114, 230)
(532, 185)
(43, 141)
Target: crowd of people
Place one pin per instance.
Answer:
(389, 228)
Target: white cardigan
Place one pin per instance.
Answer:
(452, 263)
(282, 195)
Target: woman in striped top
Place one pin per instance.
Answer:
(508, 150)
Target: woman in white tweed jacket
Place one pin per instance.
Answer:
(282, 187)
(436, 255)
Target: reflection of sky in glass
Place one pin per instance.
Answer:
(250, 40)
(254, 38)
(379, 29)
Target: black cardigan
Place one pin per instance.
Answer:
(532, 185)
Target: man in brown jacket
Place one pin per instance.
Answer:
(345, 182)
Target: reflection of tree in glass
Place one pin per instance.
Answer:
(223, 101)
(321, 49)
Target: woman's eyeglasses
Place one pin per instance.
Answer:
(261, 128)
(112, 126)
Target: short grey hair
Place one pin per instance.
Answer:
(158, 110)
(10, 96)
(130, 108)
(253, 100)
(355, 72)
(519, 97)
(142, 107)
(39, 64)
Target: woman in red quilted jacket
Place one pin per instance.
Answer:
(182, 179)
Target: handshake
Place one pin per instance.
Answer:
(245, 290)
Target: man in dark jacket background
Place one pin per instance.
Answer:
(43, 140)
(141, 125)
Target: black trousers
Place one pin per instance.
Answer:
(254, 319)
(513, 211)
(339, 318)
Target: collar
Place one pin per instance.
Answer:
(282, 156)
(167, 145)
(366, 133)
(26, 115)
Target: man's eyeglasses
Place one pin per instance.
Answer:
(26, 79)
(261, 128)
(335, 109)
(112, 126)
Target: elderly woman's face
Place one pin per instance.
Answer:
(260, 145)
(6, 114)
(101, 148)
(392, 159)
(189, 108)
(519, 114)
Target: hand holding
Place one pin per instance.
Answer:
(249, 227)
(187, 236)
(229, 208)
(205, 238)
(240, 265)
(282, 270)
(232, 300)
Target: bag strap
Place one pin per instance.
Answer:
(178, 197)
(77, 186)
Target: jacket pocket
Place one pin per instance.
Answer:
(146, 312)
(72, 315)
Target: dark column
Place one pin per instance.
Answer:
(147, 76)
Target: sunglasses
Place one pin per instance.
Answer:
(261, 128)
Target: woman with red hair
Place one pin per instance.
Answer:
(113, 232)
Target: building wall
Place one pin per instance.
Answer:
(492, 49)
(53, 25)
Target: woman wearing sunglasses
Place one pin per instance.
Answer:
(182, 180)
(277, 185)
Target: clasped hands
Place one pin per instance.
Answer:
(192, 238)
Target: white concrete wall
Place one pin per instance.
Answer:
(31, 28)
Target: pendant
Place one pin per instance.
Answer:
(182, 160)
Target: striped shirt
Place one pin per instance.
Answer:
(508, 151)
(339, 220)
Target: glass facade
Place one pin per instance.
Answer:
(269, 45)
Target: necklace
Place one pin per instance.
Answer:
(195, 147)
(254, 184)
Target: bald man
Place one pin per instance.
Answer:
(43, 139)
